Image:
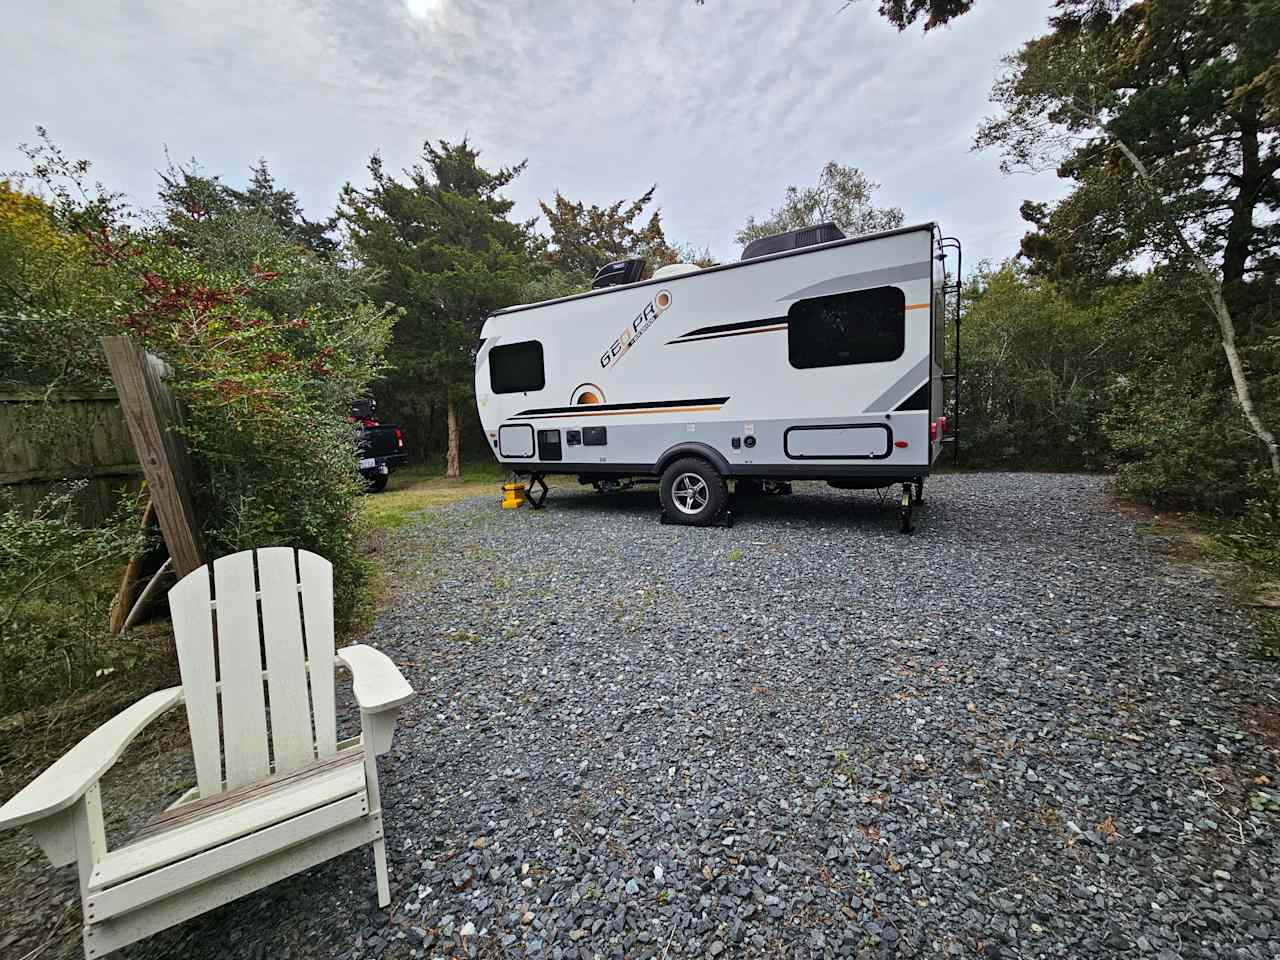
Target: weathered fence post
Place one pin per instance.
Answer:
(153, 415)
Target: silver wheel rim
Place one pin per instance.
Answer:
(690, 493)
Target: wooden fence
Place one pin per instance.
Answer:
(77, 436)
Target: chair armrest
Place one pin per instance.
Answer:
(79, 769)
(378, 683)
(380, 690)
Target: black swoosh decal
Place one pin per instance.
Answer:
(606, 407)
(728, 329)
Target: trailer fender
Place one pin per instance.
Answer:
(706, 452)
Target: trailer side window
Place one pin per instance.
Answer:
(517, 367)
(866, 326)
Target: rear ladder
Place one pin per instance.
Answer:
(951, 300)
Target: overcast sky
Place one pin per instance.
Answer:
(722, 105)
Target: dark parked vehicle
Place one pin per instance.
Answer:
(381, 445)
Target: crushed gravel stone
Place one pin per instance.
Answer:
(1021, 732)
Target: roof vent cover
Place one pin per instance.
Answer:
(620, 271)
(792, 240)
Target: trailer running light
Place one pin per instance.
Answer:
(933, 431)
(399, 439)
(900, 444)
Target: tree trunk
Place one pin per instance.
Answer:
(428, 431)
(1213, 290)
(1241, 229)
(451, 468)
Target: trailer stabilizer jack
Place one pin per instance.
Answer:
(536, 500)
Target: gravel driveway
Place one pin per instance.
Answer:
(1021, 732)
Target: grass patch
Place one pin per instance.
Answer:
(410, 492)
(419, 488)
(1245, 565)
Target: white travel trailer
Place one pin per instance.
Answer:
(815, 357)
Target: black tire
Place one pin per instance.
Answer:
(375, 483)
(748, 488)
(692, 492)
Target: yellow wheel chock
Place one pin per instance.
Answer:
(516, 494)
(512, 496)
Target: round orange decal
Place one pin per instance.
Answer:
(586, 393)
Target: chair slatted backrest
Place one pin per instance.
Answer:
(256, 650)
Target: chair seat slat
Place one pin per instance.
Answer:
(200, 868)
(252, 813)
(195, 809)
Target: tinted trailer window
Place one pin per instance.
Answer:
(517, 367)
(866, 326)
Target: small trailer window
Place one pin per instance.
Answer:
(866, 326)
(517, 367)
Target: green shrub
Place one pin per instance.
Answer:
(1178, 437)
(1254, 537)
(57, 580)
(268, 340)
(267, 356)
(1177, 446)
(1035, 371)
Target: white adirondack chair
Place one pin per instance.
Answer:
(266, 805)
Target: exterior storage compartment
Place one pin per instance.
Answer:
(515, 440)
(838, 441)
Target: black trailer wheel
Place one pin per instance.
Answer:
(692, 492)
(905, 503)
(375, 482)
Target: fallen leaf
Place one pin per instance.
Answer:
(1108, 829)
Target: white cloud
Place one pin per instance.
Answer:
(422, 9)
(722, 106)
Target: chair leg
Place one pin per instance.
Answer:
(380, 868)
(375, 811)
